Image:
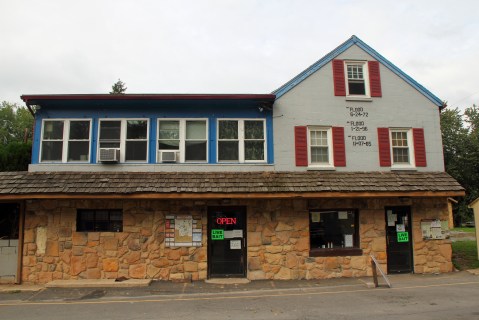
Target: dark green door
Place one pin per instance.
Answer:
(399, 239)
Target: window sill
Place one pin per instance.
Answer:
(321, 169)
(403, 168)
(334, 252)
(364, 99)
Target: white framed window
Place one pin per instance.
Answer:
(320, 147)
(402, 148)
(188, 137)
(241, 140)
(65, 140)
(130, 136)
(357, 79)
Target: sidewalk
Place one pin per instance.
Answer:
(99, 289)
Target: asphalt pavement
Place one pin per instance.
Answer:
(28, 294)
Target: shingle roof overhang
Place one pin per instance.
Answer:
(114, 100)
(215, 185)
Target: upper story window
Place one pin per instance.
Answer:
(356, 79)
(320, 146)
(129, 136)
(400, 145)
(241, 141)
(402, 148)
(65, 141)
(357, 86)
(188, 138)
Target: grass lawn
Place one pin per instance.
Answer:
(464, 254)
(472, 230)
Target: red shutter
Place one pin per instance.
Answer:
(339, 148)
(419, 147)
(301, 146)
(338, 76)
(374, 79)
(384, 147)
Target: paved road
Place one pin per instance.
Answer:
(451, 296)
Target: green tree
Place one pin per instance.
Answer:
(461, 154)
(16, 123)
(118, 87)
(15, 156)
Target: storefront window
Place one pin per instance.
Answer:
(334, 232)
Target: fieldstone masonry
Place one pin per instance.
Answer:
(277, 239)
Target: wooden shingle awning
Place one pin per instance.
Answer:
(214, 185)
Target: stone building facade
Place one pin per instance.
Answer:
(277, 240)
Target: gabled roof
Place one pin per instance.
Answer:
(204, 185)
(342, 48)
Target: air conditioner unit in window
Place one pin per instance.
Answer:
(167, 156)
(109, 155)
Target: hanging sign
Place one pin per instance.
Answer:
(403, 236)
(217, 234)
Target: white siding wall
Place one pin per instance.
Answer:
(312, 102)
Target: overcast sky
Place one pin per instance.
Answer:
(226, 46)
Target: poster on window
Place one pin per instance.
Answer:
(183, 231)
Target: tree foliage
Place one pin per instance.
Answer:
(460, 136)
(16, 124)
(15, 156)
(15, 121)
(118, 87)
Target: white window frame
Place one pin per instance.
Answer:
(241, 140)
(123, 138)
(182, 138)
(367, 89)
(410, 142)
(65, 140)
(329, 131)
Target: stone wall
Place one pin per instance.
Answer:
(54, 250)
(277, 238)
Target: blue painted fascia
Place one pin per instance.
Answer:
(354, 40)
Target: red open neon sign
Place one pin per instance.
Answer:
(225, 220)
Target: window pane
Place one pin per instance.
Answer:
(79, 130)
(168, 145)
(135, 151)
(254, 129)
(399, 139)
(400, 155)
(169, 130)
(228, 150)
(53, 130)
(333, 229)
(355, 71)
(228, 129)
(319, 155)
(52, 150)
(195, 151)
(319, 138)
(254, 150)
(109, 144)
(78, 150)
(110, 130)
(357, 87)
(136, 129)
(195, 129)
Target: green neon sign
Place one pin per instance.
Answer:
(217, 234)
(403, 236)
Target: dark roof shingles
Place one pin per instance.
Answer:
(222, 182)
